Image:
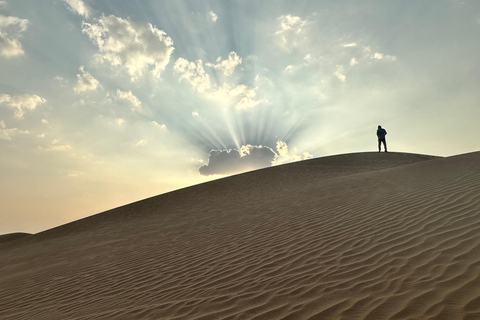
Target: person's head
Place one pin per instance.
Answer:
(379, 127)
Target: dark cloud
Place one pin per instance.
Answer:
(235, 161)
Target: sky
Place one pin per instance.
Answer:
(103, 103)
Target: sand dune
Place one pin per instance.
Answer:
(355, 236)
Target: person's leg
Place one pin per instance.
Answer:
(379, 145)
(385, 144)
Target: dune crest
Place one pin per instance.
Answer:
(356, 236)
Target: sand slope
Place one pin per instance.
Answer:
(357, 236)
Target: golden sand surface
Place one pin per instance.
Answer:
(354, 236)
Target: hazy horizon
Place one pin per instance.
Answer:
(103, 103)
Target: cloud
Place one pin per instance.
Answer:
(212, 16)
(129, 96)
(3, 4)
(307, 60)
(195, 114)
(11, 29)
(282, 148)
(291, 23)
(247, 97)
(228, 65)
(353, 44)
(284, 156)
(353, 62)
(233, 161)
(248, 157)
(63, 82)
(340, 74)
(291, 31)
(381, 56)
(7, 134)
(377, 55)
(194, 73)
(59, 147)
(141, 143)
(79, 7)
(158, 125)
(119, 121)
(75, 174)
(86, 82)
(21, 103)
(291, 68)
(138, 46)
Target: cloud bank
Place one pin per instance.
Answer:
(235, 161)
(248, 157)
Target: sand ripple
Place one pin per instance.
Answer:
(304, 241)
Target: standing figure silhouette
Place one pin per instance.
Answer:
(381, 133)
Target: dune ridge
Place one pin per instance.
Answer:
(358, 236)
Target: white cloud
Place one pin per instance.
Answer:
(7, 134)
(353, 62)
(79, 7)
(3, 4)
(291, 68)
(307, 60)
(11, 29)
(60, 147)
(86, 82)
(75, 174)
(119, 121)
(291, 23)
(141, 143)
(282, 148)
(283, 156)
(63, 82)
(138, 46)
(247, 97)
(21, 103)
(195, 114)
(340, 74)
(291, 30)
(195, 74)
(129, 96)
(231, 161)
(381, 56)
(248, 157)
(353, 44)
(158, 125)
(228, 65)
(44, 121)
(212, 16)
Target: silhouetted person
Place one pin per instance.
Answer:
(381, 133)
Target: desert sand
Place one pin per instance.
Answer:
(354, 236)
